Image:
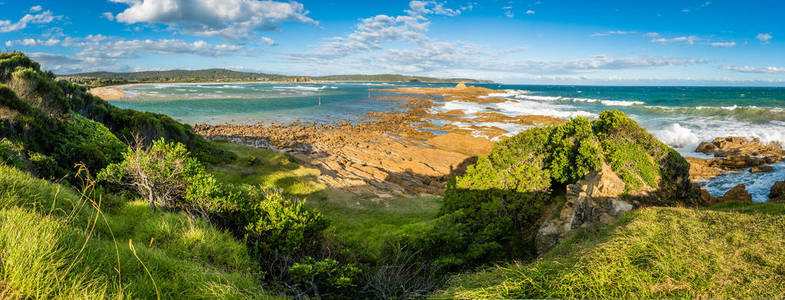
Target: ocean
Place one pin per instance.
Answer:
(681, 117)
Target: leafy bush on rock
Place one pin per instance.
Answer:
(492, 212)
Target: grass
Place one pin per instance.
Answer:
(733, 250)
(360, 222)
(363, 223)
(56, 244)
(266, 168)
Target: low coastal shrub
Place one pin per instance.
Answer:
(166, 175)
(492, 212)
(280, 232)
(47, 114)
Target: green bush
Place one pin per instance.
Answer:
(574, 151)
(325, 278)
(492, 212)
(280, 225)
(167, 176)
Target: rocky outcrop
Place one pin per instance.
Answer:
(777, 193)
(594, 199)
(738, 193)
(732, 154)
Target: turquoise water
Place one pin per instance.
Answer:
(681, 117)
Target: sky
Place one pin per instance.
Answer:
(666, 42)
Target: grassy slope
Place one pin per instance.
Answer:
(728, 251)
(357, 221)
(51, 235)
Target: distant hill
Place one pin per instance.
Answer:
(394, 78)
(109, 78)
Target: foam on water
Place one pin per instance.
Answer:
(677, 136)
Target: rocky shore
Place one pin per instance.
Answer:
(386, 153)
(734, 154)
(397, 153)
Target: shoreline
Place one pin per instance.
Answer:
(115, 92)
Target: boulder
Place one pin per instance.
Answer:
(738, 193)
(777, 193)
(594, 199)
(762, 169)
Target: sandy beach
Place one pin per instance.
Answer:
(109, 93)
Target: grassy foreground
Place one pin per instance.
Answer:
(56, 244)
(732, 250)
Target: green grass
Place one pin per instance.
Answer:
(266, 168)
(360, 222)
(363, 223)
(733, 250)
(56, 244)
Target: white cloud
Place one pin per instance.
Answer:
(99, 52)
(33, 42)
(269, 41)
(41, 18)
(723, 44)
(763, 37)
(756, 70)
(687, 40)
(107, 15)
(652, 34)
(421, 8)
(530, 12)
(616, 32)
(370, 33)
(513, 50)
(228, 19)
(509, 14)
(36, 9)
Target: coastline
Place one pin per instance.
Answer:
(115, 92)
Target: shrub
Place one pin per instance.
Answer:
(492, 212)
(574, 151)
(324, 278)
(166, 175)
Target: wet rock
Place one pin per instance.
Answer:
(594, 199)
(738, 193)
(777, 192)
(732, 154)
(762, 169)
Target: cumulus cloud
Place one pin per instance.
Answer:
(530, 12)
(756, 70)
(33, 42)
(421, 8)
(615, 32)
(31, 18)
(370, 33)
(269, 41)
(99, 52)
(107, 15)
(228, 19)
(763, 37)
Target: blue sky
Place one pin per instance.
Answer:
(540, 41)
